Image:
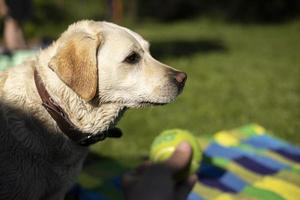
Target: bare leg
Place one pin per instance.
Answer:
(13, 34)
(3, 8)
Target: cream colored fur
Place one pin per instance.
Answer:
(37, 161)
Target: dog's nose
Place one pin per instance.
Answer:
(181, 77)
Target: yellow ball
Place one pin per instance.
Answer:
(165, 144)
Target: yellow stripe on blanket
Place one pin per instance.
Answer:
(286, 190)
(206, 192)
(224, 197)
(234, 197)
(226, 139)
(259, 129)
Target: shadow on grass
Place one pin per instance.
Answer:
(101, 175)
(178, 48)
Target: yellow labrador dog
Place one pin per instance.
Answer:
(68, 97)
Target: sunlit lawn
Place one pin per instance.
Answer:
(237, 74)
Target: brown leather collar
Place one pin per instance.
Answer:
(65, 124)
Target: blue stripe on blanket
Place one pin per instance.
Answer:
(194, 196)
(217, 177)
(216, 150)
(267, 142)
(256, 163)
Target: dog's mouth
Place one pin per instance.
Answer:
(138, 104)
(150, 103)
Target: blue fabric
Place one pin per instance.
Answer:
(255, 166)
(233, 181)
(288, 154)
(216, 150)
(217, 177)
(234, 153)
(292, 149)
(268, 142)
(269, 162)
(276, 145)
(194, 196)
(209, 171)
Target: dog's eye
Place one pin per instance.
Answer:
(133, 58)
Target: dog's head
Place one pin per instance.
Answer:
(109, 63)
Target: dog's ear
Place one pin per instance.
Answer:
(76, 63)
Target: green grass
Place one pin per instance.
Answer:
(237, 74)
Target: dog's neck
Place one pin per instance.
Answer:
(87, 117)
(63, 121)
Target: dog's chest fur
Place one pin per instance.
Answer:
(37, 161)
(32, 170)
(30, 175)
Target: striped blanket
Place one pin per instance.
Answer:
(245, 163)
(248, 163)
